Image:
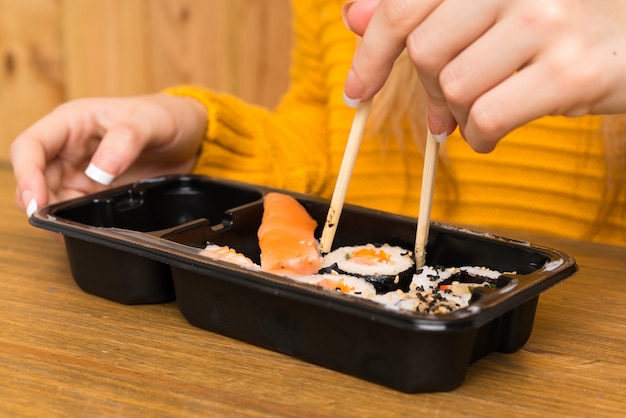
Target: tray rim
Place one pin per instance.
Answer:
(150, 244)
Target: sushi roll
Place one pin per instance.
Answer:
(342, 283)
(384, 266)
(224, 253)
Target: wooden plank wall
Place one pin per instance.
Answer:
(57, 50)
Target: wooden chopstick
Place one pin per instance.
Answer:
(431, 155)
(345, 172)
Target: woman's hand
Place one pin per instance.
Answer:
(119, 139)
(494, 65)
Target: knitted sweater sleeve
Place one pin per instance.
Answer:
(284, 147)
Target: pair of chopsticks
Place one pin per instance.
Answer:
(345, 172)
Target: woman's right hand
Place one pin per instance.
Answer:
(84, 145)
(492, 66)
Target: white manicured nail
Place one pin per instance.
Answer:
(99, 175)
(441, 137)
(353, 103)
(32, 207)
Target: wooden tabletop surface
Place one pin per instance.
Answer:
(67, 353)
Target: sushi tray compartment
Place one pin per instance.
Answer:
(145, 243)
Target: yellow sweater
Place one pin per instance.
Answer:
(546, 177)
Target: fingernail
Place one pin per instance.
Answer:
(99, 175)
(353, 103)
(440, 137)
(344, 13)
(32, 207)
(356, 88)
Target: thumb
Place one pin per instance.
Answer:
(118, 149)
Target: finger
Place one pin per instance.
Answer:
(356, 14)
(484, 64)
(30, 153)
(127, 137)
(439, 39)
(28, 161)
(118, 149)
(552, 83)
(513, 103)
(382, 43)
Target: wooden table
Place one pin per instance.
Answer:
(67, 353)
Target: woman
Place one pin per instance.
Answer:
(556, 175)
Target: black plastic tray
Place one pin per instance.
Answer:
(140, 243)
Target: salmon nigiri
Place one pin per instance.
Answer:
(286, 237)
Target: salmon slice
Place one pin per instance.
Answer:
(286, 237)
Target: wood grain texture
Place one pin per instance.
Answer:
(104, 43)
(31, 81)
(53, 51)
(67, 353)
